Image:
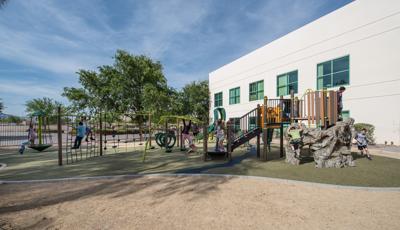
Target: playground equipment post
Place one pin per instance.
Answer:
(59, 136)
(101, 135)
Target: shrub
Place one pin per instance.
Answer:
(370, 131)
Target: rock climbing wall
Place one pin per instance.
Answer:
(330, 147)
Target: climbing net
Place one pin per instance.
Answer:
(79, 148)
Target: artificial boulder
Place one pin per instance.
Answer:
(331, 148)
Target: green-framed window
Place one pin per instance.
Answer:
(218, 99)
(333, 73)
(234, 96)
(256, 90)
(286, 82)
(345, 114)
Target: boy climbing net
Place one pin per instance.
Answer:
(80, 134)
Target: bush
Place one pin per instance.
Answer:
(12, 119)
(370, 131)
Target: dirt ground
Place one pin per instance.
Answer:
(194, 202)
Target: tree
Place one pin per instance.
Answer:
(120, 88)
(1, 106)
(3, 3)
(79, 98)
(161, 102)
(135, 74)
(47, 105)
(12, 119)
(196, 98)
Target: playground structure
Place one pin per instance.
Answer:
(40, 124)
(315, 109)
(171, 134)
(104, 132)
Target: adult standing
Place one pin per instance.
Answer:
(340, 102)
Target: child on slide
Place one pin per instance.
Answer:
(31, 139)
(220, 136)
(295, 140)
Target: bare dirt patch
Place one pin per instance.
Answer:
(199, 202)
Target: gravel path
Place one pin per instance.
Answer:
(198, 202)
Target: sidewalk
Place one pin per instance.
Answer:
(382, 150)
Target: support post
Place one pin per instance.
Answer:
(264, 130)
(281, 109)
(40, 121)
(258, 145)
(59, 136)
(258, 124)
(323, 109)
(180, 137)
(265, 121)
(205, 142)
(308, 104)
(165, 136)
(101, 134)
(292, 110)
(228, 136)
(281, 141)
(149, 129)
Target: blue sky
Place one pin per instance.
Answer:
(44, 42)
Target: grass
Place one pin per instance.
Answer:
(381, 172)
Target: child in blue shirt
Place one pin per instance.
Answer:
(80, 134)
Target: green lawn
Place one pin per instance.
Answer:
(381, 172)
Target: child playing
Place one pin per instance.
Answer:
(295, 140)
(185, 132)
(80, 134)
(220, 136)
(362, 143)
(31, 139)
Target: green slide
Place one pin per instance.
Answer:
(219, 113)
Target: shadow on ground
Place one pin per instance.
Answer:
(381, 172)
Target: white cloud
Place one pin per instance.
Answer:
(191, 38)
(29, 88)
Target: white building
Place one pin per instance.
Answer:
(357, 46)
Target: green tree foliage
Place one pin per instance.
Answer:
(195, 99)
(135, 74)
(3, 3)
(47, 105)
(79, 98)
(135, 84)
(12, 119)
(1, 106)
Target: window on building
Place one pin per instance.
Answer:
(333, 73)
(286, 82)
(218, 99)
(234, 96)
(345, 114)
(256, 90)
